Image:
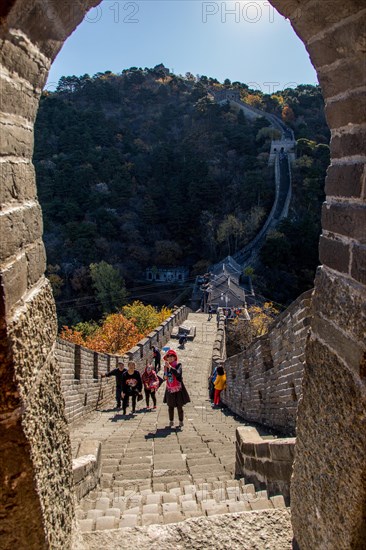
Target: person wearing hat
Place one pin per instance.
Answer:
(118, 373)
(176, 395)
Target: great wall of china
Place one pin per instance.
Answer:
(328, 489)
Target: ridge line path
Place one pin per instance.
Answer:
(152, 474)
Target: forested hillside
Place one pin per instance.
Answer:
(144, 169)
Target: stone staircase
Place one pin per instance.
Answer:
(154, 475)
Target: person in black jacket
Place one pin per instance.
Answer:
(131, 386)
(118, 373)
(157, 358)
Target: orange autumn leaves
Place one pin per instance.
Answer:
(119, 331)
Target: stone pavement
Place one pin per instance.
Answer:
(154, 475)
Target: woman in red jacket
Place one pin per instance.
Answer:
(176, 395)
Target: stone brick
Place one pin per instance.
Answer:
(16, 140)
(278, 501)
(348, 313)
(358, 267)
(345, 220)
(18, 99)
(346, 38)
(172, 517)
(216, 510)
(189, 506)
(347, 144)
(317, 18)
(262, 450)
(344, 180)
(36, 260)
(17, 182)
(334, 253)
(283, 449)
(21, 226)
(94, 514)
(261, 504)
(150, 509)
(171, 507)
(106, 522)
(14, 282)
(129, 521)
(86, 525)
(235, 507)
(349, 350)
(18, 58)
(150, 519)
(342, 78)
(347, 110)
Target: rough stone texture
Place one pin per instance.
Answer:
(270, 529)
(345, 181)
(334, 479)
(31, 33)
(43, 424)
(264, 381)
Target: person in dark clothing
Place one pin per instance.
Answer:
(150, 381)
(176, 395)
(157, 358)
(209, 313)
(118, 373)
(131, 386)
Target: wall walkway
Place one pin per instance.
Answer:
(81, 368)
(154, 475)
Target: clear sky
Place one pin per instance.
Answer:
(246, 41)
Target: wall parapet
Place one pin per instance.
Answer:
(80, 368)
(267, 463)
(264, 382)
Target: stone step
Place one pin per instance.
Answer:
(113, 511)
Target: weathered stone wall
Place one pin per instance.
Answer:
(330, 461)
(35, 456)
(80, 368)
(264, 381)
(267, 463)
(34, 440)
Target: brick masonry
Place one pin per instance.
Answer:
(267, 463)
(80, 368)
(31, 34)
(264, 381)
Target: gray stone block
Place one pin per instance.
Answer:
(106, 522)
(86, 525)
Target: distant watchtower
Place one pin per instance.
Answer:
(225, 95)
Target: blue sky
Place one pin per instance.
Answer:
(247, 41)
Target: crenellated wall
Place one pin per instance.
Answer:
(80, 368)
(329, 467)
(264, 381)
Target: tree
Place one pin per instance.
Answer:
(146, 317)
(116, 335)
(230, 230)
(109, 286)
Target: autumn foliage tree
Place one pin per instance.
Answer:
(119, 332)
(241, 333)
(146, 317)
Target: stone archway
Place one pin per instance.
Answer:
(328, 495)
